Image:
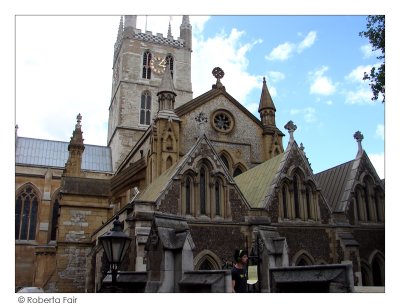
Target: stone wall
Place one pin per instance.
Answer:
(220, 239)
(244, 142)
(314, 240)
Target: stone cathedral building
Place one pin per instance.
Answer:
(207, 160)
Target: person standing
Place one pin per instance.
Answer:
(239, 272)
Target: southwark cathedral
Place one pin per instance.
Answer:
(190, 180)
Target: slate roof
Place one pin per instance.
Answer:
(255, 183)
(50, 153)
(333, 183)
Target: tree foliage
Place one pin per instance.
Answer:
(376, 35)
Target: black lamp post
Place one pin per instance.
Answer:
(115, 243)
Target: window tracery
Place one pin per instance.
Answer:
(26, 211)
(369, 201)
(298, 199)
(203, 194)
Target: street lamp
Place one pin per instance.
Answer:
(115, 243)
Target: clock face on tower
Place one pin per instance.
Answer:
(158, 64)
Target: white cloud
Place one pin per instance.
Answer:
(378, 160)
(357, 74)
(308, 113)
(368, 52)
(380, 131)
(359, 96)
(360, 92)
(321, 85)
(307, 42)
(283, 51)
(276, 76)
(231, 57)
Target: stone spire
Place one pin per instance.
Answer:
(121, 27)
(265, 99)
(75, 149)
(266, 107)
(359, 137)
(169, 29)
(186, 32)
(119, 38)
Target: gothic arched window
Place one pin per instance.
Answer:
(296, 197)
(284, 202)
(170, 63)
(225, 161)
(237, 171)
(26, 209)
(202, 191)
(145, 108)
(188, 194)
(217, 198)
(367, 209)
(54, 220)
(308, 203)
(146, 71)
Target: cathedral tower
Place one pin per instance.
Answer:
(272, 136)
(140, 59)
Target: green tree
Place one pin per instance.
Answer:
(376, 35)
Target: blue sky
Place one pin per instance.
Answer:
(313, 66)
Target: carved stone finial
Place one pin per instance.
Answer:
(290, 127)
(302, 147)
(219, 74)
(359, 137)
(78, 121)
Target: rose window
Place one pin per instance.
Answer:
(223, 121)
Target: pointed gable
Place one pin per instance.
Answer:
(210, 95)
(258, 184)
(157, 189)
(338, 183)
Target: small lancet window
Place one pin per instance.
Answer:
(170, 63)
(146, 71)
(308, 200)
(237, 172)
(54, 220)
(367, 210)
(145, 108)
(296, 197)
(187, 196)
(225, 161)
(202, 191)
(284, 202)
(217, 198)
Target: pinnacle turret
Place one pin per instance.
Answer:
(265, 99)
(186, 31)
(166, 94)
